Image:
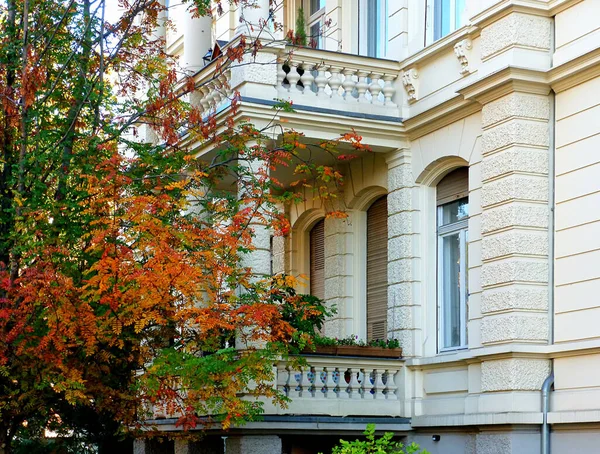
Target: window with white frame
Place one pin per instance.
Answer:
(444, 17)
(452, 238)
(316, 22)
(372, 35)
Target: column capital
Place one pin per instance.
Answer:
(398, 157)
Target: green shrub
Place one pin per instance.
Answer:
(376, 445)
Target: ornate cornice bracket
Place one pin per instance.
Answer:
(462, 50)
(409, 80)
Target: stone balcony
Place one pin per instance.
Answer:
(340, 386)
(313, 80)
(334, 386)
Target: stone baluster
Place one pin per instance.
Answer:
(283, 379)
(335, 82)
(204, 99)
(348, 84)
(375, 88)
(295, 383)
(321, 80)
(362, 86)
(379, 386)
(331, 383)
(293, 77)
(210, 98)
(388, 89)
(223, 86)
(354, 387)
(320, 382)
(391, 385)
(344, 385)
(307, 78)
(305, 383)
(281, 74)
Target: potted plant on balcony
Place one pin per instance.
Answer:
(353, 346)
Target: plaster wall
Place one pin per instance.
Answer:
(577, 271)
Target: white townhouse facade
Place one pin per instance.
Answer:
(473, 229)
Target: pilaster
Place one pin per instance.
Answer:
(515, 216)
(403, 311)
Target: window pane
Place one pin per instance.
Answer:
(455, 211)
(316, 5)
(451, 290)
(315, 38)
(460, 19)
(445, 17)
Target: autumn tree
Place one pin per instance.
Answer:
(123, 281)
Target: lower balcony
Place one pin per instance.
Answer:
(340, 386)
(329, 386)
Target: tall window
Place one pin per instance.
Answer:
(444, 16)
(452, 224)
(317, 260)
(377, 277)
(372, 34)
(316, 22)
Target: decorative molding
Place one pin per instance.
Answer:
(409, 77)
(439, 116)
(505, 81)
(461, 49)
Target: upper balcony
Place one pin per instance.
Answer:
(326, 85)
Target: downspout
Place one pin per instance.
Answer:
(545, 407)
(549, 382)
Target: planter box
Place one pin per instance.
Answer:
(353, 350)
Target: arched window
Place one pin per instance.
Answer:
(452, 234)
(377, 277)
(317, 260)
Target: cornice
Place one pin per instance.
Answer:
(506, 351)
(439, 116)
(505, 81)
(575, 71)
(331, 126)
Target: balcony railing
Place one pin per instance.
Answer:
(341, 386)
(330, 81)
(333, 386)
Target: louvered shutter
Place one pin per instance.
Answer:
(377, 276)
(453, 186)
(317, 260)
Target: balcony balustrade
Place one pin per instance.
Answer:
(309, 78)
(333, 386)
(341, 386)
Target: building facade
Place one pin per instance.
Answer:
(483, 117)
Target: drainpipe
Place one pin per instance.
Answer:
(546, 387)
(545, 407)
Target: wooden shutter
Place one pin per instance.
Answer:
(377, 276)
(317, 260)
(453, 186)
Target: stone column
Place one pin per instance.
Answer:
(259, 259)
(197, 41)
(254, 16)
(402, 310)
(339, 276)
(253, 444)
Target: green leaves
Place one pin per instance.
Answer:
(376, 445)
